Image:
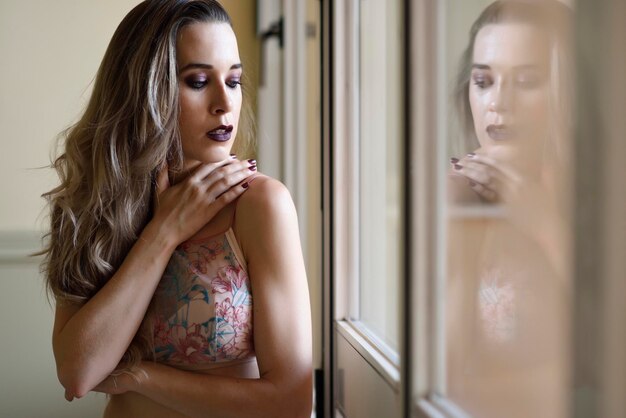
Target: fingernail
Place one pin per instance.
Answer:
(253, 162)
(471, 154)
(233, 156)
(454, 160)
(458, 166)
(252, 168)
(245, 185)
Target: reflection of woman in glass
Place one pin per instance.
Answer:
(176, 267)
(513, 95)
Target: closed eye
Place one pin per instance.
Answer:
(482, 81)
(196, 84)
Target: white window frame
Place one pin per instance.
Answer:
(427, 203)
(346, 267)
(428, 206)
(347, 125)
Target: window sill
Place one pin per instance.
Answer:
(436, 406)
(372, 355)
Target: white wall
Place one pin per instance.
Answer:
(28, 383)
(50, 52)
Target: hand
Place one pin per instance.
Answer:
(115, 384)
(489, 178)
(187, 206)
(530, 201)
(119, 382)
(524, 196)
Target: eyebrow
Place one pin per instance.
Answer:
(518, 67)
(207, 66)
(481, 67)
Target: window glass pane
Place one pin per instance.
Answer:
(380, 162)
(508, 255)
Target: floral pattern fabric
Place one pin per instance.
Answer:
(203, 306)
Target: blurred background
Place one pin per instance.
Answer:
(435, 292)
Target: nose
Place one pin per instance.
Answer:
(221, 101)
(501, 99)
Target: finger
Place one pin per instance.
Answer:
(231, 194)
(477, 173)
(236, 179)
(484, 192)
(205, 169)
(68, 396)
(507, 171)
(229, 169)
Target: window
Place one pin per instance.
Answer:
(500, 281)
(380, 159)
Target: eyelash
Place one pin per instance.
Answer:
(527, 83)
(196, 85)
(199, 84)
(481, 82)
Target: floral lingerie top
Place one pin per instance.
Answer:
(202, 308)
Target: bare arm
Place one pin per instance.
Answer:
(268, 231)
(90, 340)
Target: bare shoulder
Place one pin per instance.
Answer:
(265, 197)
(265, 214)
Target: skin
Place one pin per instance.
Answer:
(508, 86)
(209, 97)
(519, 259)
(90, 340)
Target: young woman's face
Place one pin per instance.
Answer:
(508, 92)
(209, 76)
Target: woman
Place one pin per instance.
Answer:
(177, 270)
(508, 268)
(513, 93)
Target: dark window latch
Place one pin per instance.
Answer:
(275, 30)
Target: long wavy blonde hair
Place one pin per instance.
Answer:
(111, 155)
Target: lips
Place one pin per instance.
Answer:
(500, 132)
(220, 134)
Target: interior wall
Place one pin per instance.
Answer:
(51, 52)
(49, 60)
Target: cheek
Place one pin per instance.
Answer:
(477, 106)
(534, 110)
(189, 109)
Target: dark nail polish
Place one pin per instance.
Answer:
(458, 166)
(253, 162)
(233, 156)
(454, 160)
(471, 154)
(245, 185)
(252, 168)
